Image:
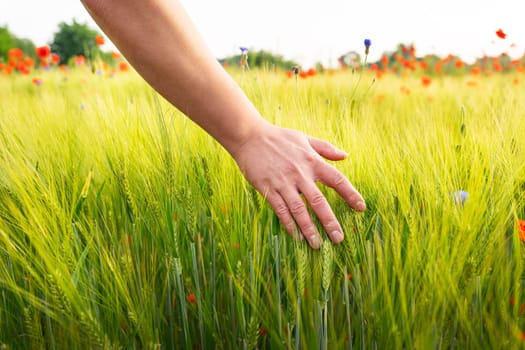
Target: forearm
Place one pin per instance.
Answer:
(160, 41)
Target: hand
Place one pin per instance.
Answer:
(283, 165)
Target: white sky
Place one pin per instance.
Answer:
(315, 30)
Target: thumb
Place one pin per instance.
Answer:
(326, 149)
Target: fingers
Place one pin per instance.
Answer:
(283, 213)
(332, 177)
(298, 210)
(324, 212)
(326, 149)
(294, 211)
(286, 169)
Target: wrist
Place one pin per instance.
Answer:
(255, 129)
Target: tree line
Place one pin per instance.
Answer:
(70, 40)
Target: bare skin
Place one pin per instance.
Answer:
(160, 41)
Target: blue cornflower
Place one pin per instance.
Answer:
(368, 42)
(244, 57)
(460, 197)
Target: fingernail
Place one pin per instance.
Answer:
(315, 242)
(361, 206)
(337, 236)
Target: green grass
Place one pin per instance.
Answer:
(123, 225)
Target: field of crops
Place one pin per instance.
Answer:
(123, 225)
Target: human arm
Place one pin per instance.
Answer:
(160, 41)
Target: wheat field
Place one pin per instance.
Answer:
(123, 225)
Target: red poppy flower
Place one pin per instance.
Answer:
(55, 59)
(7, 70)
(521, 230)
(426, 80)
(303, 75)
(123, 66)
(115, 55)
(501, 34)
(192, 298)
(384, 60)
(80, 60)
(99, 40)
(15, 53)
(22, 69)
(311, 72)
(43, 52)
(29, 62)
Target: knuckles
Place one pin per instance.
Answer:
(317, 200)
(297, 207)
(338, 179)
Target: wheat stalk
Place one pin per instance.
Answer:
(327, 261)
